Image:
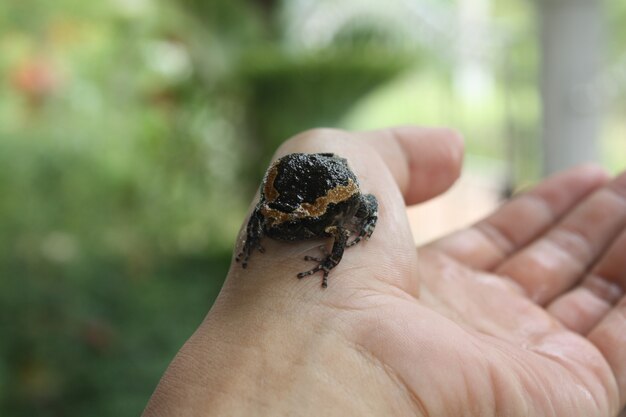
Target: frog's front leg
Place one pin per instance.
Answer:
(254, 233)
(340, 235)
(367, 216)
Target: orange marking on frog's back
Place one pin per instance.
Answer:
(269, 191)
(305, 210)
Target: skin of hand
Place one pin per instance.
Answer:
(522, 314)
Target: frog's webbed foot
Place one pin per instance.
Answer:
(331, 259)
(326, 265)
(254, 232)
(367, 216)
(244, 255)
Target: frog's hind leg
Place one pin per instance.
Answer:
(332, 259)
(254, 232)
(367, 216)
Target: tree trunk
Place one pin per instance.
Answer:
(572, 40)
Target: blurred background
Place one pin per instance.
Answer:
(133, 134)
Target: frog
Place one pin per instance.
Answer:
(306, 196)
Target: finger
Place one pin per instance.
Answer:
(491, 241)
(556, 261)
(583, 307)
(425, 161)
(609, 336)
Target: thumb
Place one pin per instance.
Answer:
(398, 166)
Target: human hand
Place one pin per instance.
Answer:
(518, 315)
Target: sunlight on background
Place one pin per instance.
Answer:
(133, 135)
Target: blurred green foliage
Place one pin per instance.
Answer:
(285, 95)
(117, 214)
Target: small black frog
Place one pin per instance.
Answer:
(308, 196)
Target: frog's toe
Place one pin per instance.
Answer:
(243, 260)
(320, 267)
(324, 265)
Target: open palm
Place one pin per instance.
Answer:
(527, 295)
(513, 316)
(521, 314)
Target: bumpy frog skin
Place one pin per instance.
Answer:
(310, 196)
